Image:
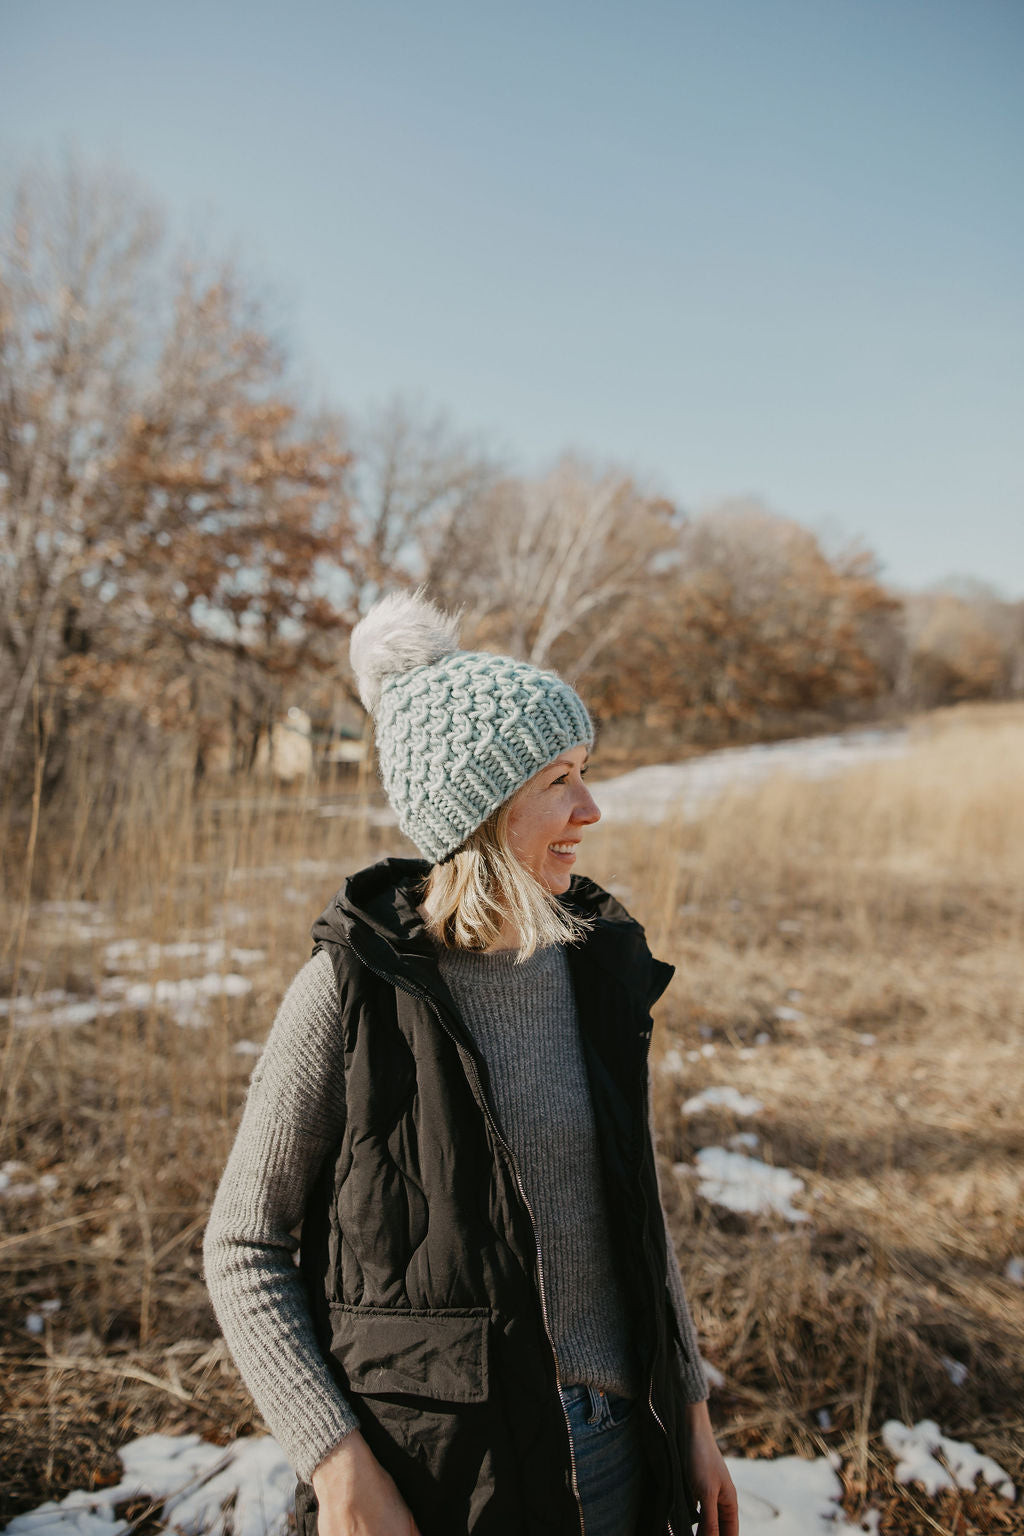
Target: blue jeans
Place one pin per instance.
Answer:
(608, 1459)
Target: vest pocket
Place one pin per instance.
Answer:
(439, 1353)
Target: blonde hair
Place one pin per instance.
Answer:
(472, 896)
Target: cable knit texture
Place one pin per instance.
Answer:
(457, 738)
(523, 1019)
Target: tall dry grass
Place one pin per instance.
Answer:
(867, 929)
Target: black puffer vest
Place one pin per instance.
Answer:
(418, 1249)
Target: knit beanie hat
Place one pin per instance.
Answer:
(457, 732)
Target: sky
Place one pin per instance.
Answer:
(768, 248)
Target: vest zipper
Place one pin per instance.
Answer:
(540, 1286)
(492, 1123)
(650, 1388)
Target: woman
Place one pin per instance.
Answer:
(487, 1332)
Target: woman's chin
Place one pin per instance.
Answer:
(556, 881)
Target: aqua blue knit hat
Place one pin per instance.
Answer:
(457, 732)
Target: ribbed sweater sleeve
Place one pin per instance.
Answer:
(693, 1382)
(293, 1116)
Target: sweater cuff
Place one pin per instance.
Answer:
(321, 1439)
(693, 1384)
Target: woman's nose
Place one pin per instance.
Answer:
(586, 810)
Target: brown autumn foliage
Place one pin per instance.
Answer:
(755, 623)
(164, 505)
(963, 645)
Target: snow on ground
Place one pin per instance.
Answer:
(745, 1184)
(743, 1140)
(58, 1009)
(192, 1479)
(731, 1176)
(79, 920)
(723, 1098)
(35, 1322)
(184, 998)
(651, 794)
(247, 1487)
(141, 955)
(14, 1185)
(787, 1496)
(916, 1446)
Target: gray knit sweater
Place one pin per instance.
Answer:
(523, 1021)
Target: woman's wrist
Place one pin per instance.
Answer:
(338, 1456)
(698, 1417)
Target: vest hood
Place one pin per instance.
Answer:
(382, 898)
(382, 901)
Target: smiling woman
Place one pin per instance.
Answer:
(494, 892)
(547, 819)
(488, 1331)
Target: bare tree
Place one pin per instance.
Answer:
(551, 567)
(158, 495)
(413, 483)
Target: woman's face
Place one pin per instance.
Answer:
(547, 820)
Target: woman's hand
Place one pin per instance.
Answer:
(356, 1496)
(709, 1477)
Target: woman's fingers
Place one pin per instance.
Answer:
(719, 1511)
(728, 1512)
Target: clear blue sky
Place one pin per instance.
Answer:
(768, 247)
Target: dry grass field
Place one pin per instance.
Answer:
(848, 952)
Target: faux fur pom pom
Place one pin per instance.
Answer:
(404, 630)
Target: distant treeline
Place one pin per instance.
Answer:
(185, 544)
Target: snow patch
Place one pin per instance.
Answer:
(56, 1009)
(246, 1488)
(12, 1187)
(745, 1184)
(915, 1448)
(184, 1000)
(955, 1370)
(80, 921)
(787, 1496)
(744, 1140)
(724, 1097)
(654, 793)
(139, 955)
